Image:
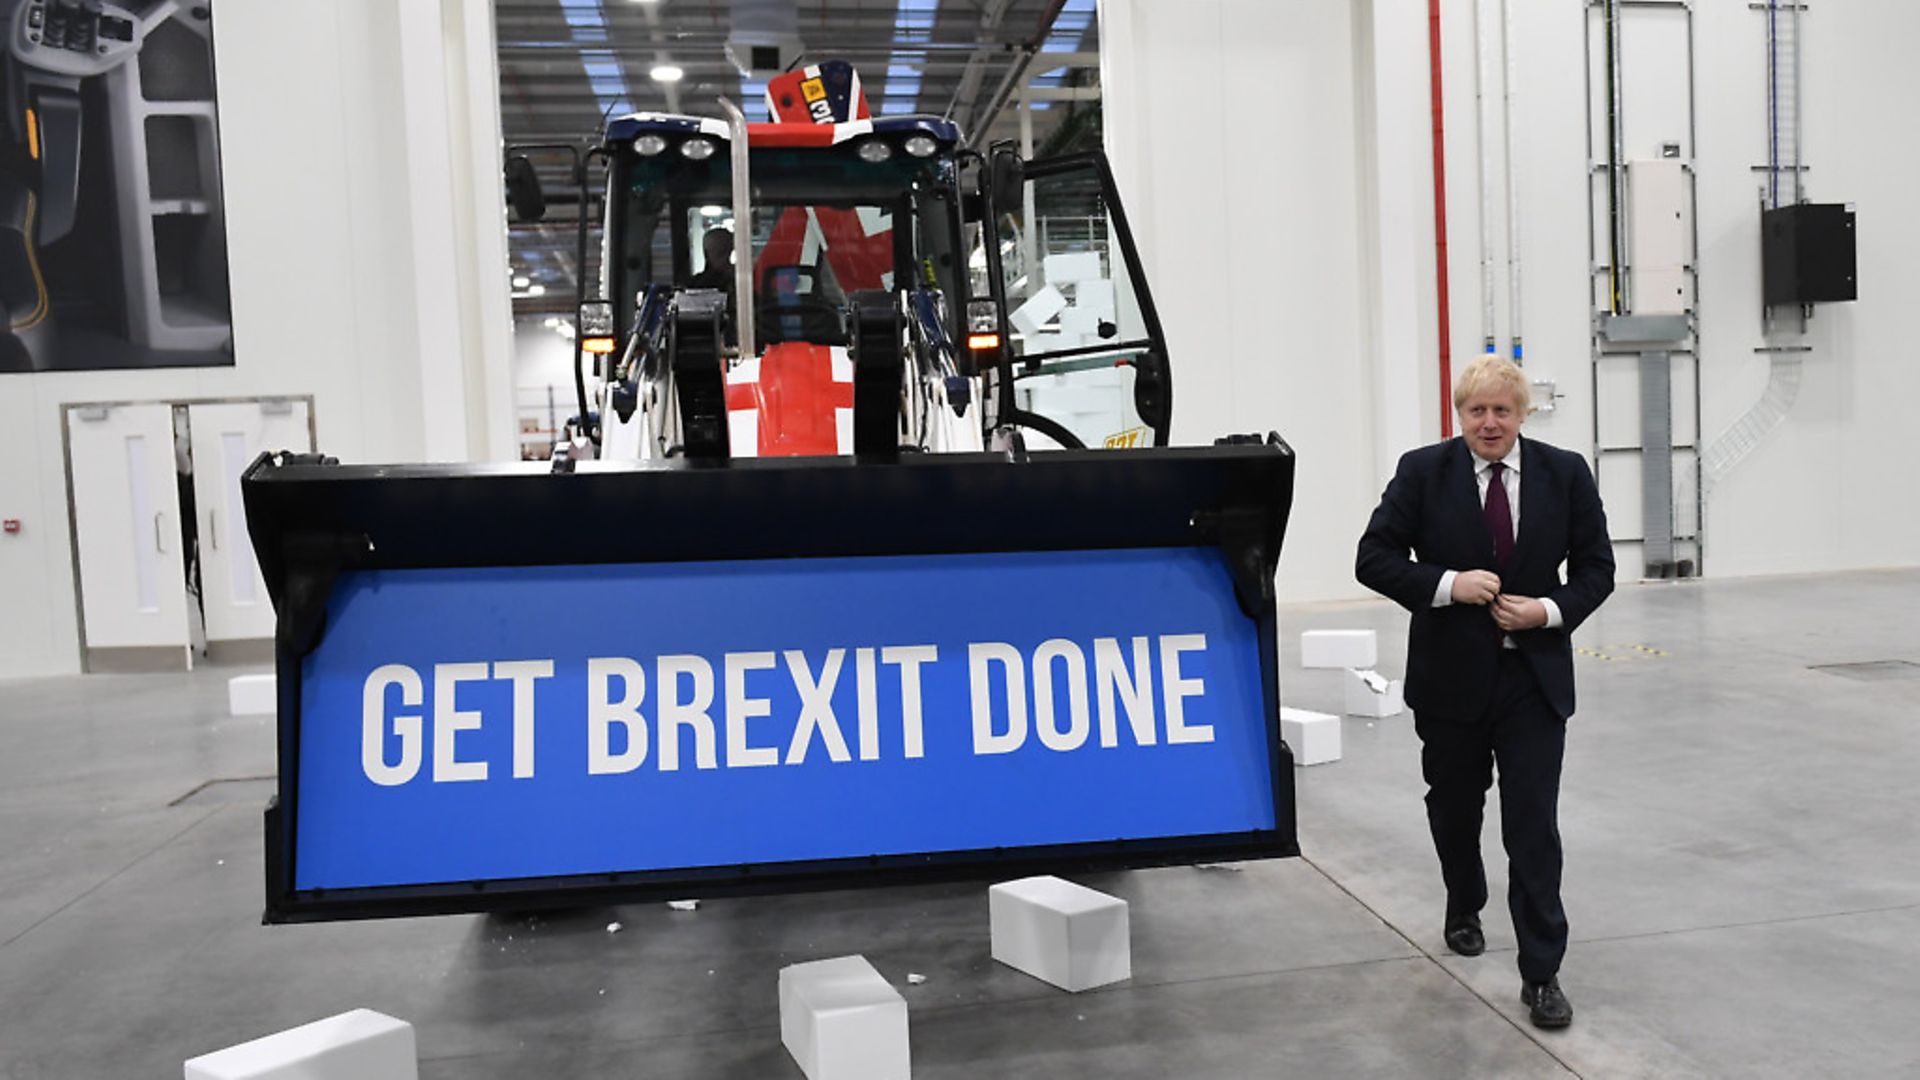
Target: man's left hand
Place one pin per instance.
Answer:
(1512, 613)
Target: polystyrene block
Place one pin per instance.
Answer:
(252, 695)
(1059, 932)
(1339, 649)
(841, 1021)
(1370, 693)
(1072, 266)
(1080, 321)
(1313, 736)
(1094, 297)
(1038, 311)
(357, 1045)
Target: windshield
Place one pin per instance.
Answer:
(825, 224)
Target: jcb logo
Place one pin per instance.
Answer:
(817, 106)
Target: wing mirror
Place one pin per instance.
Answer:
(1006, 180)
(523, 189)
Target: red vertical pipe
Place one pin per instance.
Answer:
(1440, 217)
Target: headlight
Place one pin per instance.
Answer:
(875, 151)
(983, 316)
(920, 145)
(697, 149)
(596, 317)
(596, 327)
(649, 144)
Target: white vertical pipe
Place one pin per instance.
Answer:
(1483, 176)
(1798, 195)
(1513, 179)
(743, 283)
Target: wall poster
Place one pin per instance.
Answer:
(112, 227)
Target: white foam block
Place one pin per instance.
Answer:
(357, 1045)
(1094, 297)
(841, 1021)
(1038, 311)
(1069, 935)
(1339, 649)
(1314, 737)
(252, 695)
(1370, 693)
(1080, 321)
(1072, 266)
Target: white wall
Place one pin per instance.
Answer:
(1833, 487)
(543, 390)
(366, 240)
(542, 358)
(1275, 159)
(1267, 186)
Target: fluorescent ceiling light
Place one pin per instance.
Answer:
(521, 281)
(667, 73)
(536, 290)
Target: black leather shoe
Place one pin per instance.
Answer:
(1546, 1006)
(1465, 937)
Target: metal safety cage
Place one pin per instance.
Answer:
(312, 520)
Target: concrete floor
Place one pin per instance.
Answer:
(1743, 879)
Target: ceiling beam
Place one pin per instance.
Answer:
(1017, 73)
(1060, 93)
(975, 71)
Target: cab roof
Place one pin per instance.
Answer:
(623, 130)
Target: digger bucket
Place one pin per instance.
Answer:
(502, 687)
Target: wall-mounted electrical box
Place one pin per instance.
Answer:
(1658, 238)
(1807, 254)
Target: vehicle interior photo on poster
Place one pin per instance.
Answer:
(112, 229)
(865, 559)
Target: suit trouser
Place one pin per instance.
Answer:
(1521, 733)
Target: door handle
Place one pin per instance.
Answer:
(159, 537)
(213, 527)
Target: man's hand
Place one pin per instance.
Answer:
(1476, 587)
(1512, 612)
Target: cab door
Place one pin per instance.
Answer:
(1087, 358)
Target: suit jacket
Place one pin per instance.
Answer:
(1430, 520)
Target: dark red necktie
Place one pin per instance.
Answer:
(1499, 515)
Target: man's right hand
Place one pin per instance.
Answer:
(1475, 587)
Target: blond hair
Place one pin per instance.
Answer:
(1492, 373)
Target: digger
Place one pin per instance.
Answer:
(871, 562)
(878, 257)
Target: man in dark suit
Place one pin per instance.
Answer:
(1469, 537)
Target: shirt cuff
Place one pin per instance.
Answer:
(1554, 619)
(1443, 595)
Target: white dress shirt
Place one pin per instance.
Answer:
(1482, 477)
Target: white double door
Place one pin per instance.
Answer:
(125, 466)
(226, 438)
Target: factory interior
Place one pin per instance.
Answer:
(361, 356)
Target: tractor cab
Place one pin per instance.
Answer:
(901, 290)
